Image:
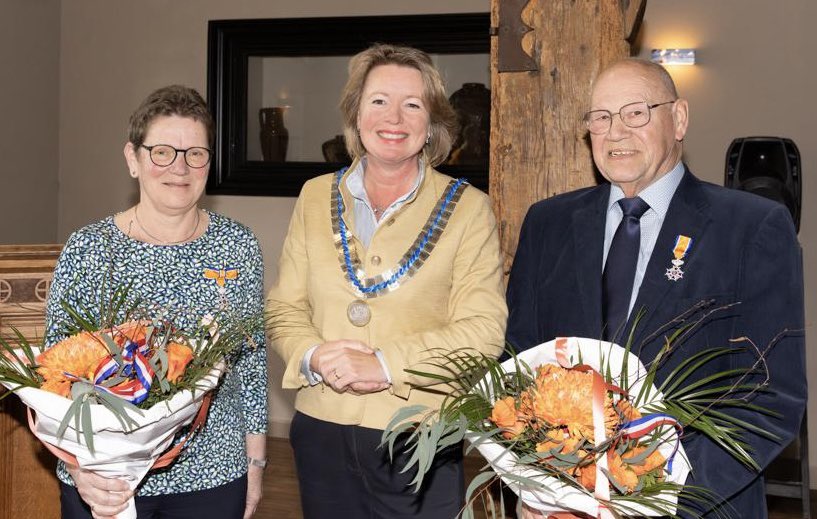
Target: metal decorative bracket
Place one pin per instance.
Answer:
(511, 30)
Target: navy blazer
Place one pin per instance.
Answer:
(745, 251)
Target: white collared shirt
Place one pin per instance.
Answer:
(366, 221)
(658, 196)
(366, 224)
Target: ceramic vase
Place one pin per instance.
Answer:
(472, 103)
(274, 135)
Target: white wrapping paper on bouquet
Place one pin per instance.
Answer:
(552, 495)
(118, 453)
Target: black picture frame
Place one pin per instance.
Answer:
(231, 43)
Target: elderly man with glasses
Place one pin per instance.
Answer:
(658, 240)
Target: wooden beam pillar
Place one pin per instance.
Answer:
(538, 143)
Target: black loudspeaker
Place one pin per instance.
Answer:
(769, 167)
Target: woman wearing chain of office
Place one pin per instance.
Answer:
(384, 262)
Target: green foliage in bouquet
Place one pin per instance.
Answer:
(485, 404)
(18, 364)
(122, 357)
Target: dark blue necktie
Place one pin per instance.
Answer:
(619, 271)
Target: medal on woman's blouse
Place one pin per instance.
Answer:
(414, 258)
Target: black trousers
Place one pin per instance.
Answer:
(223, 502)
(342, 472)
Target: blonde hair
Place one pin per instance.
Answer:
(442, 117)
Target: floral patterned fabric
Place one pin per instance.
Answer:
(99, 258)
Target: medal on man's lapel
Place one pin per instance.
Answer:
(682, 246)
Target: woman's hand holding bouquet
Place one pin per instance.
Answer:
(110, 399)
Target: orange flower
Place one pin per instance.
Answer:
(555, 438)
(133, 331)
(526, 411)
(504, 412)
(620, 471)
(60, 386)
(178, 357)
(587, 476)
(564, 397)
(561, 401)
(78, 355)
(568, 442)
(629, 412)
(652, 462)
(505, 415)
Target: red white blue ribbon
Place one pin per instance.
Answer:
(633, 429)
(135, 367)
(646, 424)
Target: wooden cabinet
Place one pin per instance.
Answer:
(28, 486)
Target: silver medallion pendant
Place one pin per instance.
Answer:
(359, 312)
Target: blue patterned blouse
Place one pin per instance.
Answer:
(98, 258)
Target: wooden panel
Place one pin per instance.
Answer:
(28, 486)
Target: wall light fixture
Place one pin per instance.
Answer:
(673, 56)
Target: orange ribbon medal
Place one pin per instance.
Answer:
(679, 251)
(220, 275)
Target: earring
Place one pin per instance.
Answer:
(428, 138)
(133, 174)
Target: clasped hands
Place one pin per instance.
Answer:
(349, 366)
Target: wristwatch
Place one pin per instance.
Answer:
(262, 464)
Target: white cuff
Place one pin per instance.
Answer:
(382, 359)
(313, 378)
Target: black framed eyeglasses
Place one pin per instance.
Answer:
(633, 115)
(164, 155)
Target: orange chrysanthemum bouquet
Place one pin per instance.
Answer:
(576, 425)
(589, 443)
(111, 398)
(91, 356)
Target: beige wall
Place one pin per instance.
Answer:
(754, 78)
(114, 52)
(29, 113)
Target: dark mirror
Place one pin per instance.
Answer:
(273, 86)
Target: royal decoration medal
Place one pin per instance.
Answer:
(679, 251)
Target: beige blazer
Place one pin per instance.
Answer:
(454, 300)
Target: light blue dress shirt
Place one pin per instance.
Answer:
(658, 196)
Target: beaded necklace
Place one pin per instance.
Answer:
(370, 287)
